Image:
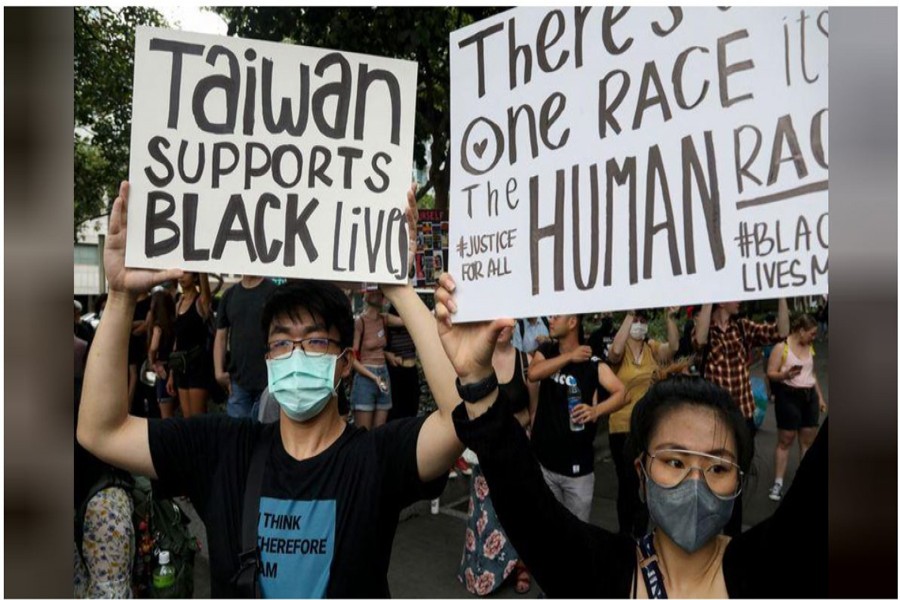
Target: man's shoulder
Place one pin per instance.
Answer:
(549, 349)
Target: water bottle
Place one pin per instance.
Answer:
(164, 577)
(574, 399)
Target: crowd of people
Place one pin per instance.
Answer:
(331, 404)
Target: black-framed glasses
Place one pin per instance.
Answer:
(281, 349)
(668, 468)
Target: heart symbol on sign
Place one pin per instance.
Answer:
(479, 147)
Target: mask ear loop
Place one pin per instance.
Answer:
(341, 379)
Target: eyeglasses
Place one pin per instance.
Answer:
(281, 349)
(668, 468)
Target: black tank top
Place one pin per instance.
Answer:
(190, 329)
(516, 390)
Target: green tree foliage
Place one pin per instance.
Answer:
(419, 34)
(104, 70)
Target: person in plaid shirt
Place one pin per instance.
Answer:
(730, 341)
(728, 358)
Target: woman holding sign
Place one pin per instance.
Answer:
(693, 448)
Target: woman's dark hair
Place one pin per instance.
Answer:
(162, 309)
(673, 391)
(804, 322)
(324, 301)
(162, 315)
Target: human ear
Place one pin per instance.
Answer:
(344, 370)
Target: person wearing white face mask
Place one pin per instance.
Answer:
(306, 507)
(634, 358)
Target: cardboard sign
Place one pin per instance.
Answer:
(269, 159)
(432, 248)
(616, 158)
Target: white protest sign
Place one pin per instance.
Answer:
(269, 159)
(615, 158)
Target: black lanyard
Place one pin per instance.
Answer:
(653, 578)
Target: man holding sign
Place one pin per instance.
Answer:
(275, 160)
(330, 494)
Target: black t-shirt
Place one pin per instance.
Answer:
(241, 312)
(558, 448)
(326, 524)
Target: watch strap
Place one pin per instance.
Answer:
(473, 392)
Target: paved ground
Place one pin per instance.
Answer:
(427, 548)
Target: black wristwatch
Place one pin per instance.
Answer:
(473, 392)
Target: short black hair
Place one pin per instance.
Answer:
(324, 301)
(688, 390)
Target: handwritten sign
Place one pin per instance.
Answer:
(269, 159)
(614, 158)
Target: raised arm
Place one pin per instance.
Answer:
(784, 318)
(204, 302)
(617, 349)
(666, 351)
(437, 447)
(518, 490)
(701, 330)
(105, 428)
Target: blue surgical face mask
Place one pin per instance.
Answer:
(689, 513)
(302, 385)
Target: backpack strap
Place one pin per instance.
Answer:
(247, 577)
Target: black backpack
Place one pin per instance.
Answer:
(160, 524)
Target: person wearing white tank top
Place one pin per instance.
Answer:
(798, 396)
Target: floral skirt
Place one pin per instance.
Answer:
(107, 547)
(488, 557)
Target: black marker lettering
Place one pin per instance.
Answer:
(178, 50)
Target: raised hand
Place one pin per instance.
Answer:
(469, 346)
(121, 278)
(672, 311)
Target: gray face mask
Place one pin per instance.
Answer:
(689, 513)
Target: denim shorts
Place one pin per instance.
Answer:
(366, 396)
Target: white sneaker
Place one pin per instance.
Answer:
(775, 492)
